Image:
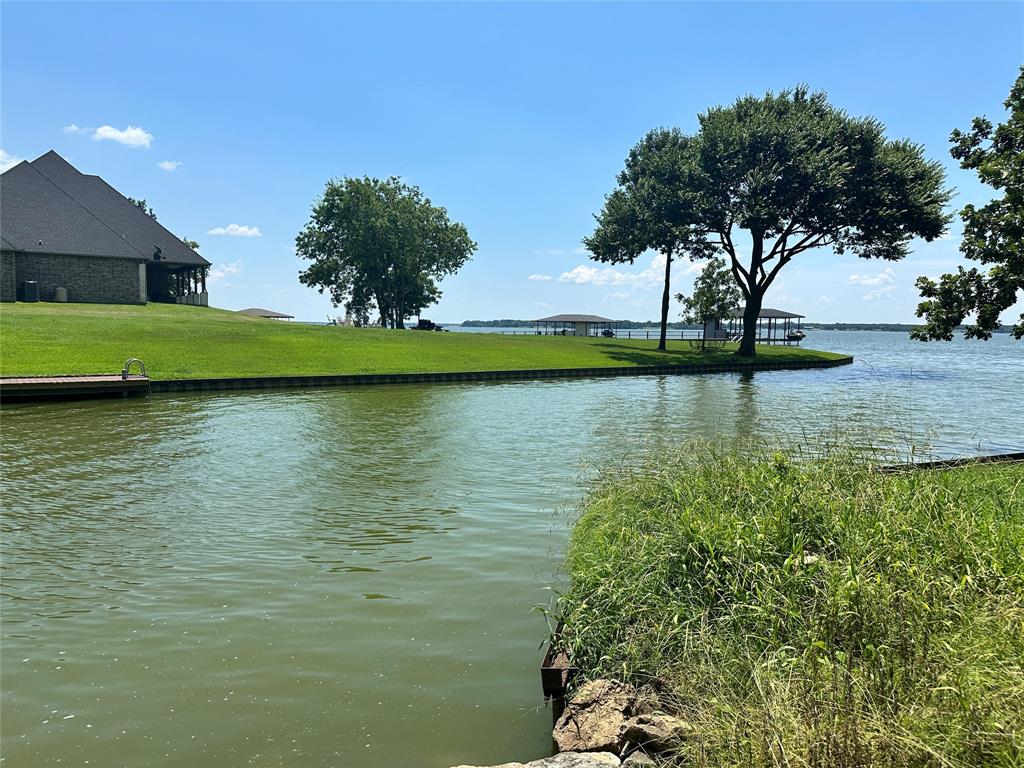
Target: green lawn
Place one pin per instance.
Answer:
(810, 614)
(198, 342)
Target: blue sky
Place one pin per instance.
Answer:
(516, 117)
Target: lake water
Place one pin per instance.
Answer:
(348, 576)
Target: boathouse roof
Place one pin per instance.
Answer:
(269, 313)
(768, 312)
(574, 319)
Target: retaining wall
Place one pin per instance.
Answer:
(275, 382)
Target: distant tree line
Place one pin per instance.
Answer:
(634, 324)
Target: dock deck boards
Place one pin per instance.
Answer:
(45, 387)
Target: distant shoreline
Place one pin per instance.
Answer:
(638, 324)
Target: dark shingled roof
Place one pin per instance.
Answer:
(574, 319)
(768, 312)
(38, 217)
(257, 312)
(42, 210)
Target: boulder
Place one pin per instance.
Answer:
(595, 716)
(637, 759)
(565, 760)
(655, 733)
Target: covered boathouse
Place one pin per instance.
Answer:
(574, 325)
(774, 326)
(69, 236)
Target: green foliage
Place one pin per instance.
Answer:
(810, 614)
(993, 233)
(644, 212)
(142, 205)
(797, 174)
(792, 171)
(715, 294)
(190, 243)
(178, 341)
(380, 245)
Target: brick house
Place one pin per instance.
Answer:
(64, 229)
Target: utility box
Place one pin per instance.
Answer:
(60, 295)
(29, 290)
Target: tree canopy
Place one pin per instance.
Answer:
(993, 233)
(380, 245)
(791, 171)
(715, 294)
(646, 210)
(797, 174)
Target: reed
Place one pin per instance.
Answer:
(809, 613)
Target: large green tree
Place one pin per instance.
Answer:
(380, 245)
(795, 174)
(766, 179)
(647, 212)
(993, 233)
(715, 295)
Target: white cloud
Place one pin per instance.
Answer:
(885, 277)
(539, 278)
(220, 272)
(880, 294)
(237, 230)
(7, 160)
(132, 136)
(169, 165)
(75, 129)
(824, 299)
(587, 274)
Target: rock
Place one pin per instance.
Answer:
(565, 760)
(637, 759)
(595, 716)
(655, 733)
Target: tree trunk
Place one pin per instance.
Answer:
(750, 313)
(664, 302)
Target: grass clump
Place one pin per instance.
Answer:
(177, 341)
(810, 614)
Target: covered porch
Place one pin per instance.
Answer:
(171, 283)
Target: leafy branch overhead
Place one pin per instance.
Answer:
(993, 233)
(380, 246)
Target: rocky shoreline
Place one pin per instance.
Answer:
(609, 723)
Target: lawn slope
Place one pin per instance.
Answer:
(199, 342)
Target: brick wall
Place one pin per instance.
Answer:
(7, 276)
(95, 279)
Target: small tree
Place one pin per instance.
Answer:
(645, 211)
(993, 233)
(382, 244)
(143, 206)
(715, 295)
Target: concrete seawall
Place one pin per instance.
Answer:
(365, 379)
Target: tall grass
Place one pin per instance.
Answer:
(810, 614)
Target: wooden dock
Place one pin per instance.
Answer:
(67, 387)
